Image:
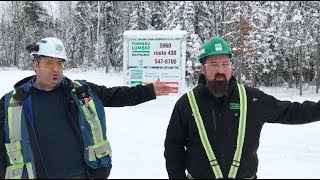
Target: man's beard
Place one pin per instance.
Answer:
(218, 88)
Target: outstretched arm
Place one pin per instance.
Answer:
(284, 111)
(120, 96)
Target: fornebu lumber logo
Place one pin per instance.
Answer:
(140, 46)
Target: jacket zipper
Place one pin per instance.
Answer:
(36, 140)
(214, 120)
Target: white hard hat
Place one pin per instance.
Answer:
(51, 47)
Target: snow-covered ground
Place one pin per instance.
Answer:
(137, 133)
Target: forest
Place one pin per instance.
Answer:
(275, 43)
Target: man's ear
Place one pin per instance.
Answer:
(202, 69)
(35, 65)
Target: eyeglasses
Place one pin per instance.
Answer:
(216, 66)
(49, 63)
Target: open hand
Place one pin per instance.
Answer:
(161, 89)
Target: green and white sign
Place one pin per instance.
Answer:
(149, 55)
(154, 53)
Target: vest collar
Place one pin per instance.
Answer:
(23, 86)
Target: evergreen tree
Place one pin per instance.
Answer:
(35, 19)
(203, 20)
(157, 18)
(174, 19)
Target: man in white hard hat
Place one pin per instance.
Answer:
(52, 127)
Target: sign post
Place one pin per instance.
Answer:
(148, 55)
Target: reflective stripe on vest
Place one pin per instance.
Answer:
(101, 147)
(204, 138)
(15, 171)
(14, 117)
(14, 148)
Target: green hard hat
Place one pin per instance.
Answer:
(214, 46)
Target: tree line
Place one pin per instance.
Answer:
(274, 42)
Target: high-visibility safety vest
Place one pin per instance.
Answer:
(91, 117)
(205, 141)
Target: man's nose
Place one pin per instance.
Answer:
(55, 67)
(220, 69)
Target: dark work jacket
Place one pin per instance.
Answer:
(110, 97)
(183, 146)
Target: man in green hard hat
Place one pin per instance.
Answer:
(215, 128)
